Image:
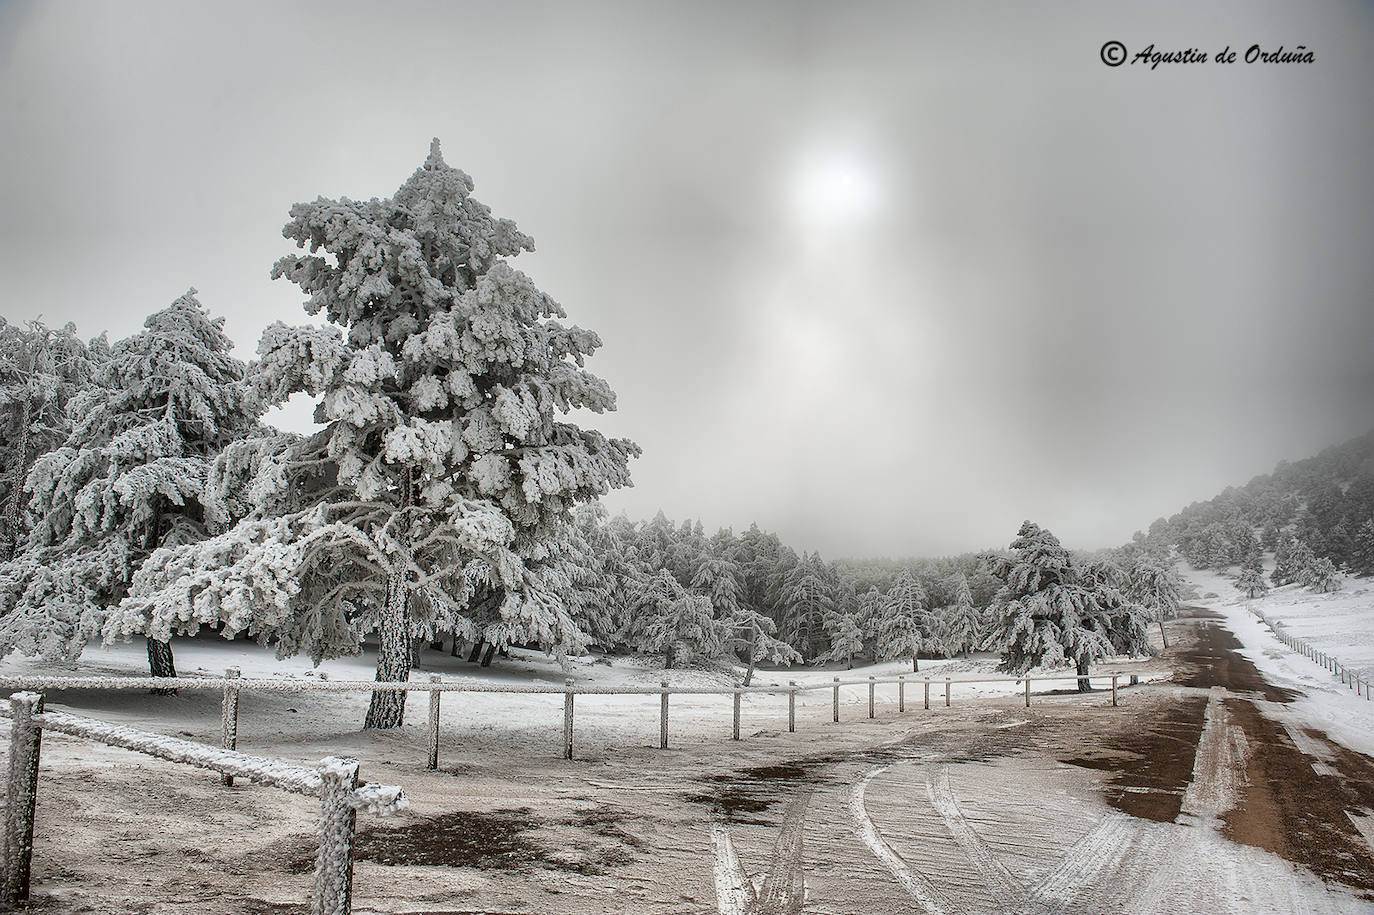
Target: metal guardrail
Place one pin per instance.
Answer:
(334, 781)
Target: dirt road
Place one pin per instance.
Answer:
(1202, 794)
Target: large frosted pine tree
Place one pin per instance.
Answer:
(1050, 611)
(128, 480)
(444, 474)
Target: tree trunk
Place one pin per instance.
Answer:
(453, 648)
(1164, 637)
(1083, 685)
(161, 664)
(668, 658)
(749, 674)
(476, 653)
(388, 707)
(915, 664)
(488, 655)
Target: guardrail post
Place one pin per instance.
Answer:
(1113, 689)
(663, 717)
(567, 718)
(946, 692)
(22, 795)
(872, 685)
(791, 706)
(836, 700)
(901, 694)
(734, 734)
(229, 717)
(338, 820)
(927, 685)
(1027, 691)
(434, 695)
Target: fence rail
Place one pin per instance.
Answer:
(1351, 678)
(334, 782)
(231, 685)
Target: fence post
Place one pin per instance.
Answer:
(836, 701)
(872, 684)
(901, 694)
(1027, 690)
(433, 724)
(791, 706)
(663, 717)
(338, 819)
(25, 738)
(1113, 689)
(229, 717)
(567, 718)
(734, 734)
(946, 692)
(927, 685)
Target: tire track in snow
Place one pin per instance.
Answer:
(784, 884)
(930, 899)
(1007, 891)
(1101, 852)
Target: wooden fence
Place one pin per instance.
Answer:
(232, 684)
(334, 782)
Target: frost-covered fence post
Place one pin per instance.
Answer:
(338, 819)
(947, 684)
(229, 717)
(434, 695)
(872, 685)
(567, 718)
(734, 734)
(1113, 689)
(927, 691)
(22, 793)
(836, 701)
(791, 706)
(663, 717)
(901, 694)
(1028, 691)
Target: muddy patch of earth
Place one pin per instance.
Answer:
(1153, 763)
(1209, 658)
(1300, 809)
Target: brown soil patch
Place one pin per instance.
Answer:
(1153, 763)
(1297, 811)
(1208, 656)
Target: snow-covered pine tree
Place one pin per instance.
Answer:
(443, 474)
(808, 595)
(718, 578)
(1251, 583)
(668, 619)
(1362, 559)
(128, 480)
(1293, 559)
(963, 619)
(1321, 575)
(1042, 614)
(1155, 587)
(40, 371)
(846, 638)
(903, 620)
(753, 640)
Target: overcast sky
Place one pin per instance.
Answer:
(887, 279)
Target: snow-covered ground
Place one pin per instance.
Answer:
(1340, 623)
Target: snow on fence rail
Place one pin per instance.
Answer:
(334, 782)
(232, 684)
(1345, 675)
